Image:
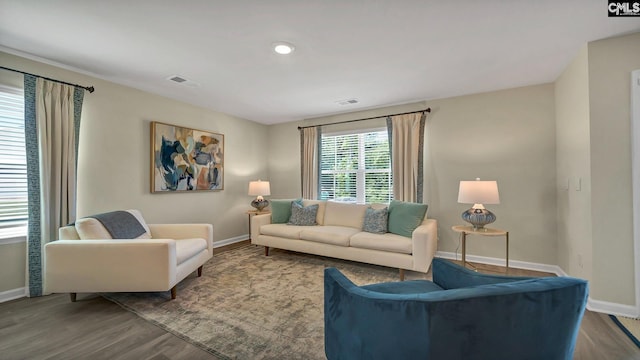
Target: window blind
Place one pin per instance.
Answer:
(356, 167)
(13, 165)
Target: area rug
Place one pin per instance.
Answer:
(248, 306)
(631, 327)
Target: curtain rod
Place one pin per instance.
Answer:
(90, 89)
(369, 118)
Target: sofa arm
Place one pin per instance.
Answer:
(363, 324)
(425, 244)
(256, 222)
(452, 276)
(184, 231)
(110, 265)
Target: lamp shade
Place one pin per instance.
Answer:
(259, 188)
(478, 192)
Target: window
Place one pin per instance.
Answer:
(356, 167)
(13, 165)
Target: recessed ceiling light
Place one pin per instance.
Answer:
(283, 48)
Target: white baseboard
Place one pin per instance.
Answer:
(554, 269)
(612, 308)
(229, 241)
(592, 304)
(12, 294)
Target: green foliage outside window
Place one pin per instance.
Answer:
(349, 160)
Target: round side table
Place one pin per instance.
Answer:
(469, 230)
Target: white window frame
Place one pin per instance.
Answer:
(17, 233)
(361, 171)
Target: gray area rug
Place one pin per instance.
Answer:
(248, 306)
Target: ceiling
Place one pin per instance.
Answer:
(380, 52)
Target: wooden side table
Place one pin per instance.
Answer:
(469, 230)
(252, 213)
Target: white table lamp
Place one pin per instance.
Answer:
(478, 193)
(259, 189)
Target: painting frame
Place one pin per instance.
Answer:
(185, 159)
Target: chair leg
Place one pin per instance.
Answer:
(72, 296)
(266, 251)
(401, 274)
(174, 290)
(200, 270)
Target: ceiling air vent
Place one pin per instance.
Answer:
(347, 102)
(182, 80)
(178, 79)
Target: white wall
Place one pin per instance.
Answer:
(284, 160)
(610, 64)
(114, 161)
(508, 136)
(573, 165)
(12, 266)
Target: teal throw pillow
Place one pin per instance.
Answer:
(404, 217)
(375, 220)
(281, 210)
(303, 215)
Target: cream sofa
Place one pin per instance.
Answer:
(132, 265)
(339, 235)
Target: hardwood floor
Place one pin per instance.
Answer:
(600, 338)
(52, 327)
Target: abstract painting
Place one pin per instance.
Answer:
(184, 159)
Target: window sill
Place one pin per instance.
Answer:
(13, 240)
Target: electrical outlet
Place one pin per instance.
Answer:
(580, 261)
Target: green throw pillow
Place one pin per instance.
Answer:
(281, 210)
(404, 217)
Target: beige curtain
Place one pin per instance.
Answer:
(407, 142)
(309, 157)
(52, 128)
(57, 147)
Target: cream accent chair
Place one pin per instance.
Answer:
(137, 265)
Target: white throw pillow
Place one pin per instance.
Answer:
(138, 216)
(92, 229)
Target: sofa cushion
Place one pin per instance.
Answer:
(281, 210)
(90, 228)
(188, 248)
(375, 220)
(384, 242)
(340, 214)
(404, 217)
(336, 235)
(321, 207)
(303, 215)
(282, 230)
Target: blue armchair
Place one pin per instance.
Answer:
(460, 315)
